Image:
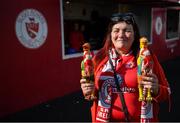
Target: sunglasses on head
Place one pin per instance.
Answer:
(127, 17)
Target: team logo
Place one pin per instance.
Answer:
(31, 28)
(130, 65)
(107, 91)
(158, 25)
(109, 87)
(146, 110)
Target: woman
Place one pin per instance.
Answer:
(122, 48)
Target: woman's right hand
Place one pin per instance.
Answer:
(87, 88)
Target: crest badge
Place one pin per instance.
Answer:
(31, 28)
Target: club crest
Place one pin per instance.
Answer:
(31, 28)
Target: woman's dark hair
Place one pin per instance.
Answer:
(116, 18)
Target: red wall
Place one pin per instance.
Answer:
(160, 46)
(32, 76)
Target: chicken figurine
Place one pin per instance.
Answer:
(87, 68)
(145, 66)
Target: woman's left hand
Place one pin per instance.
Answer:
(151, 81)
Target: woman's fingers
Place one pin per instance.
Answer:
(86, 87)
(82, 81)
(148, 84)
(150, 81)
(150, 78)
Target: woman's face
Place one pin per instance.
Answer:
(122, 36)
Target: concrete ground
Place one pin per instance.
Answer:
(74, 108)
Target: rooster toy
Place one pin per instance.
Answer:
(145, 66)
(87, 68)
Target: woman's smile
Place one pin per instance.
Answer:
(122, 36)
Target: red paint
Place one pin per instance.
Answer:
(159, 43)
(30, 77)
